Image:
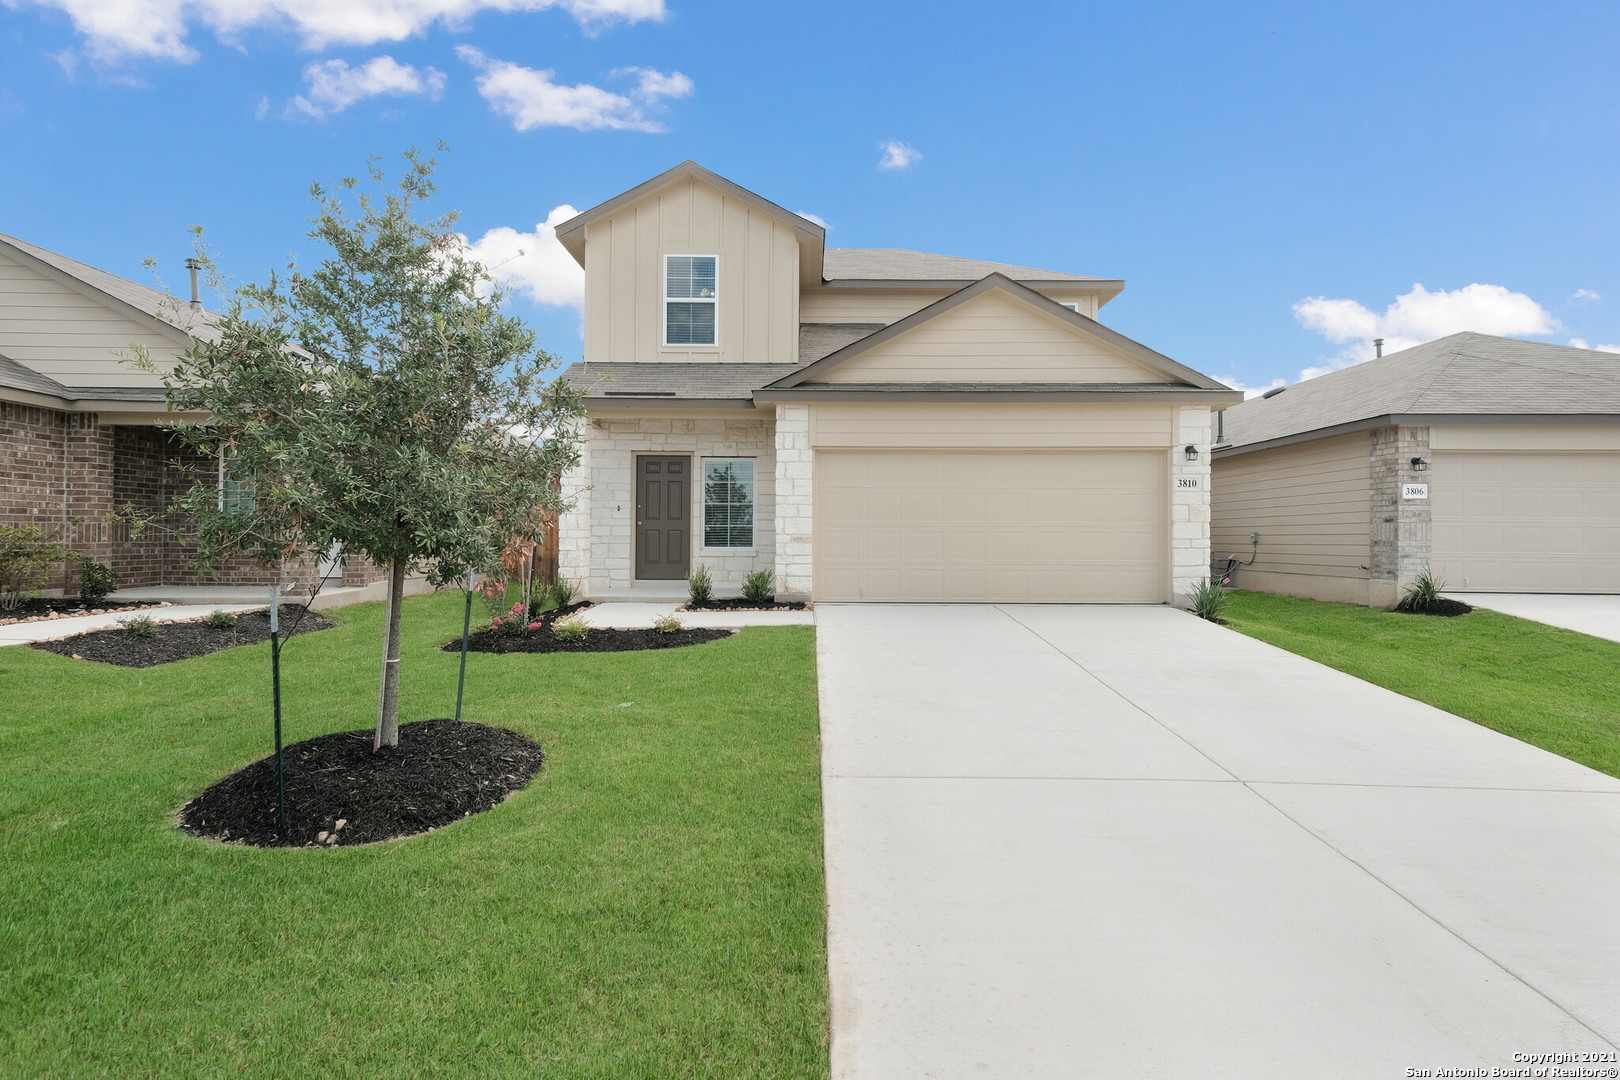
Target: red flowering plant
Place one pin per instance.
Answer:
(506, 615)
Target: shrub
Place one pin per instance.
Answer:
(666, 624)
(1421, 593)
(573, 628)
(141, 626)
(700, 585)
(759, 587)
(563, 591)
(1209, 600)
(28, 554)
(221, 620)
(96, 580)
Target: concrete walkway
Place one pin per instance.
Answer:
(1123, 842)
(23, 633)
(1598, 616)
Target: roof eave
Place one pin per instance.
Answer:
(1230, 449)
(663, 402)
(1179, 395)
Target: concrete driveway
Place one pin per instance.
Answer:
(1123, 842)
(1592, 614)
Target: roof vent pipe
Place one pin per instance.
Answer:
(1220, 425)
(196, 297)
(1378, 347)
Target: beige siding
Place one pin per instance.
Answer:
(1023, 426)
(861, 305)
(1083, 526)
(992, 338)
(757, 278)
(1524, 437)
(62, 331)
(1311, 505)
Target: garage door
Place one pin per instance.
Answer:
(981, 526)
(1524, 522)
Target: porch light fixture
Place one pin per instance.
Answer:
(1192, 453)
(1419, 465)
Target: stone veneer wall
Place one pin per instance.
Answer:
(1401, 534)
(795, 478)
(597, 542)
(1189, 509)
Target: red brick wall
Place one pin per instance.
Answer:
(32, 458)
(139, 481)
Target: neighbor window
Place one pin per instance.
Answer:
(689, 300)
(1072, 305)
(728, 502)
(235, 496)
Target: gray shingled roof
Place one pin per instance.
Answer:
(144, 299)
(1003, 387)
(1464, 374)
(17, 377)
(897, 264)
(678, 381)
(821, 339)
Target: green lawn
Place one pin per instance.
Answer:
(651, 906)
(1549, 687)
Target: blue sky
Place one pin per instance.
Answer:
(1274, 185)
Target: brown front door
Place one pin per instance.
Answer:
(663, 528)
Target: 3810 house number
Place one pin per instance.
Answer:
(1189, 483)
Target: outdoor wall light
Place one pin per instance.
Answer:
(1419, 465)
(1192, 453)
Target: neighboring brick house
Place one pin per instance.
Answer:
(867, 424)
(1490, 462)
(82, 434)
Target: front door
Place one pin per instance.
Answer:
(663, 501)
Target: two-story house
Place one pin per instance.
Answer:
(868, 424)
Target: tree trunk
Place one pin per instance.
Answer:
(388, 696)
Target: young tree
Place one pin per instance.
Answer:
(381, 402)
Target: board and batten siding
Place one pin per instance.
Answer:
(757, 278)
(1073, 425)
(1311, 505)
(991, 338)
(63, 332)
(866, 305)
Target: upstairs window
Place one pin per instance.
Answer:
(690, 296)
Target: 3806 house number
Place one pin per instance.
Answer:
(1189, 483)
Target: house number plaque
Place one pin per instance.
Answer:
(1189, 483)
(1414, 491)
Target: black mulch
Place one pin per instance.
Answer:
(598, 640)
(738, 603)
(182, 641)
(341, 792)
(1443, 607)
(70, 605)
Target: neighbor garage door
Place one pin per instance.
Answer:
(1085, 526)
(1521, 522)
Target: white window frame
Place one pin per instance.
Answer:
(703, 507)
(668, 300)
(244, 492)
(1072, 305)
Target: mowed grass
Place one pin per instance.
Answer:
(1549, 687)
(651, 906)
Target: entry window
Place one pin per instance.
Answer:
(690, 298)
(236, 496)
(728, 502)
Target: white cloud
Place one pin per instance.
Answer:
(157, 29)
(817, 218)
(530, 99)
(1581, 343)
(898, 155)
(1250, 391)
(1585, 294)
(533, 264)
(333, 85)
(1417, 317)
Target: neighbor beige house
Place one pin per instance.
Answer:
(867, 424)
(1491, 462)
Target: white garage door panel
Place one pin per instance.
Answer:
(990, 527)
(1527, 522)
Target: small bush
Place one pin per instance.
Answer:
(221, 620)
(573, 628)
(141, 626)
(1209, 600)
(563, 592)
(28, 555)
(1421, 594)
(700, 585)
(759, 587)
(96, 581)
(666, 624)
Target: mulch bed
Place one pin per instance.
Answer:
(45, 608)
(1443, 607)
(737, 603)
(181, 640)
(340, 792)
(600, 639)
